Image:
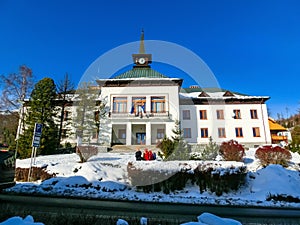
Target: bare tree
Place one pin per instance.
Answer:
(16, 87)
(64, 88)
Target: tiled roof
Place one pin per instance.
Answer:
(275, 126)
(140, 73)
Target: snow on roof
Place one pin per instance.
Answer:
(140, 78)
(219, 95)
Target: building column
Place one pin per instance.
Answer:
(128, 133)
(148, 104)
(148, 133)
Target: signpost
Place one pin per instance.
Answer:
(36, 140)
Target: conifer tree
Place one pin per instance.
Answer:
(85, 120)
(64, 88)
(41, 110)
(210, 151)
(181, 149)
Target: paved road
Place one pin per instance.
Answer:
(155, 210)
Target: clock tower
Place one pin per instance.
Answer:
(142, 59)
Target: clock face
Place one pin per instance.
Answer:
(142, 60)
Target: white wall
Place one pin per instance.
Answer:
(229, 123)
(171, 106)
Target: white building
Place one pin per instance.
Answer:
(144, 105)
(224, 115)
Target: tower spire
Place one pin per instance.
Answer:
(142, 59)
(142, 45)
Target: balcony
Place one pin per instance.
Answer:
(149, 115)
(277, 138)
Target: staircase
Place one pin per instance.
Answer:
(133, 148)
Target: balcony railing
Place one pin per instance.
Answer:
(139, 115)
(279, 138)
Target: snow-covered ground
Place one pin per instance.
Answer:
(106, 176)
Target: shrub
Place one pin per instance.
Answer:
(273, 155)
(196, 156)
(166, 146)
(209, 177)
(86, 152)
(232, 151)
(37, 173)
(219, 180)
(210, 151)
(294, 146)
(283, 198)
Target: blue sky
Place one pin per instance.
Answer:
(251, 46)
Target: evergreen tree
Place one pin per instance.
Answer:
(295, 145)
(64, 88)
(8, 128)
(210, 151)
(175, 148)
(41, 110)
(85, 120)
(166, 146)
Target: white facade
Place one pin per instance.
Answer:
(238, 117)
(126, 123)
(242, 118)
(142, 106)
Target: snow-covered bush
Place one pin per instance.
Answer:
(213, 177)
(273, 155)
(157, 180)
(220, 179)
(232, 151)
(37, 173)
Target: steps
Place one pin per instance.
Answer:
(133, 148)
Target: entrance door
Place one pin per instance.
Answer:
(140, 138)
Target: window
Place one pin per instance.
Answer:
(237, 114)
(187, 133)
(138, 105)
(220, 114)
(253, 113)
(256, 132)
(204, 132)
(119, 104)
(158, 104)
(186, 114)
(160, 133)
(238, 132)
(221, 132)
(122, 134)
(203, 115)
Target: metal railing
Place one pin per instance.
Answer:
(141, 115)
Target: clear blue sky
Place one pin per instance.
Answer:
(251, 46)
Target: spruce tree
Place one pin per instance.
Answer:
(64, 88)
(86, 120)
(181, 150)
(41, 110)
(210, 151)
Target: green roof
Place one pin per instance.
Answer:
(140, 73)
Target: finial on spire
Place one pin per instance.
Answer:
(142, 45)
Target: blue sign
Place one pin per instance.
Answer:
(37, 135)
(38, 129)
